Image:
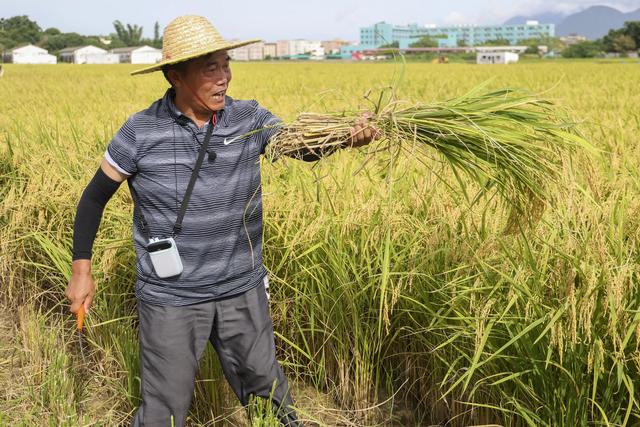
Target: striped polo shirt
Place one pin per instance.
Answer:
(220, 243)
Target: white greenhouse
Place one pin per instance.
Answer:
(30, 54)
(138, 54)
(88, 55)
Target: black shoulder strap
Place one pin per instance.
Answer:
(194, 175)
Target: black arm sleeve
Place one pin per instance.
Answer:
(89, 213)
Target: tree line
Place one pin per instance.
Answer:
(620, 41)
(20, 30)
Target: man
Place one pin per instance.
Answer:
(220, 294)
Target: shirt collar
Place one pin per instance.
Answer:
(175, 112)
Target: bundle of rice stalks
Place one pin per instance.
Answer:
(508, 140)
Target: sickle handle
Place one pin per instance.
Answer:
(80, 317)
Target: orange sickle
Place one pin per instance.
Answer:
(79, 325)
(80, 317)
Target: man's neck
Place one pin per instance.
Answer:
(195, 113)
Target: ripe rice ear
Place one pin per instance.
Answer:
(508, 140)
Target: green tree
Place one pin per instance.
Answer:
(55, 43)
(632, 29)
(531, 44)
(553, 43)
(130, 35)
(496, 42)
(623, 39)
(425, 41)
(391, 45)
(115, 41)
(18, 30)
(52, 31)
(586, 49)
(620, 40)
(623, 43)
(157, 40)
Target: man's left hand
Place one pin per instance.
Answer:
(363, 132)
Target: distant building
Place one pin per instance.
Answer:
(383, 33)
(256, 51)
(138, 54)
(513, 49)
(572, 39)
(282, 48)
(332, 47)
(496, 57)
(306, 47)
(270, 50)
(290, 49)
(251, 52)
(30, 54)
(88, 55)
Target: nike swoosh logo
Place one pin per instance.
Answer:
(228, 141)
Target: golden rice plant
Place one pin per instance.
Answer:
(508, 140)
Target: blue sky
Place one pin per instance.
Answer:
(282, 19)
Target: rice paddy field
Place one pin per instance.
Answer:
(396, 300)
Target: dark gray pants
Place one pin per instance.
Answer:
(173, 339)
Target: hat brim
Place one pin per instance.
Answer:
(224, 46)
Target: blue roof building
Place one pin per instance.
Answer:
(383, 33)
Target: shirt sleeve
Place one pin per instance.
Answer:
(121, 151)
(268, 125)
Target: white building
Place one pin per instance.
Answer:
(572, 39)
(30, 54)
(282, 48)
(138, 54)
(514, 49)
(270, 50)
(487, 57)
(88, 55)
(301, 47)
(332, 47)
(251, 52)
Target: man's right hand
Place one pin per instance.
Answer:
(81, 288)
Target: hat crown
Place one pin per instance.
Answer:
(188, 35)
(191, 36)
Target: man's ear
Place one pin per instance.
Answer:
(175, 77)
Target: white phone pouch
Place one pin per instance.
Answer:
(164, 257)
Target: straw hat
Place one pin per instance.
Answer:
(188, 37)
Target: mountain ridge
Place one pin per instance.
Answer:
(592, 22)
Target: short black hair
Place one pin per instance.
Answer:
(178, 66)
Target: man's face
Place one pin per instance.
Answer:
(208, 77)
